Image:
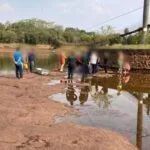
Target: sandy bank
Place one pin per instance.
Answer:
(27, 120)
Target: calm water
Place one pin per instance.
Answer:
(6, 62)
(118, 103)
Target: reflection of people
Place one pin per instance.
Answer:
(126, 78)
(70, 94)
(105, 99)
(119, 87)
(105, 90)
(102, 97)
(18, 60)
(31, 60)
(126, 68)
(84, 95)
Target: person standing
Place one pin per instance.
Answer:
(31, 60)
(85, 65)
(106, 58)
(18, 60)
(25, 63)
(93, 62)
(71, 66)
(62, 61)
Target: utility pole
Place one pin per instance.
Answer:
(146, 11)
(146, 14)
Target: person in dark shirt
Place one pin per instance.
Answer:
(71, 61)
(85, 65)
(106, 58)
(31, 60)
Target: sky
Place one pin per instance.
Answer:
(84, 14)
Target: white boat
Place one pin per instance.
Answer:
(42, 71)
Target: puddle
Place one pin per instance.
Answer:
(121, 104)
(54, 82)
(7, 72)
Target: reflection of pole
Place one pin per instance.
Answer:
(139, 123)
(148, 105)
(119, 87)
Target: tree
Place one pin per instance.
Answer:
(37, 31)
(107, 30)
(2, 27)
(9, 36)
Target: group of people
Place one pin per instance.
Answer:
(87, 62)
(23, 62)
(90, 62)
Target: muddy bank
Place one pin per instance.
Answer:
(27, 119)
(139, 59)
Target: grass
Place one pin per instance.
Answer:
(24, 46)
(126, 47)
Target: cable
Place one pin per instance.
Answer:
(114, 18)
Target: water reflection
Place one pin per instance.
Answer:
(50, 61)
(119, 86)
(84, 93)
(141, 101)
(101, 96)
(120, 103)
(139, 121)
(70, 93)
(147, 102)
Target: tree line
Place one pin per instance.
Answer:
(36, 31)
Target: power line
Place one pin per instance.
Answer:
(119, 16)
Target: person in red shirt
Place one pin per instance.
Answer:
(62, 61)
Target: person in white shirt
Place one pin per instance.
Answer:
(93, 62)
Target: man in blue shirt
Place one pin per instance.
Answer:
(18, 60)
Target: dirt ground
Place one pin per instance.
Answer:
(27, 120)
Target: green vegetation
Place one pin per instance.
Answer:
(125, 47)
(35, 31)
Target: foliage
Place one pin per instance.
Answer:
(134, 39)
(36, 31)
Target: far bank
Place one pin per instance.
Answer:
(138, 55)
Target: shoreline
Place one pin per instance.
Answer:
(27, 119)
